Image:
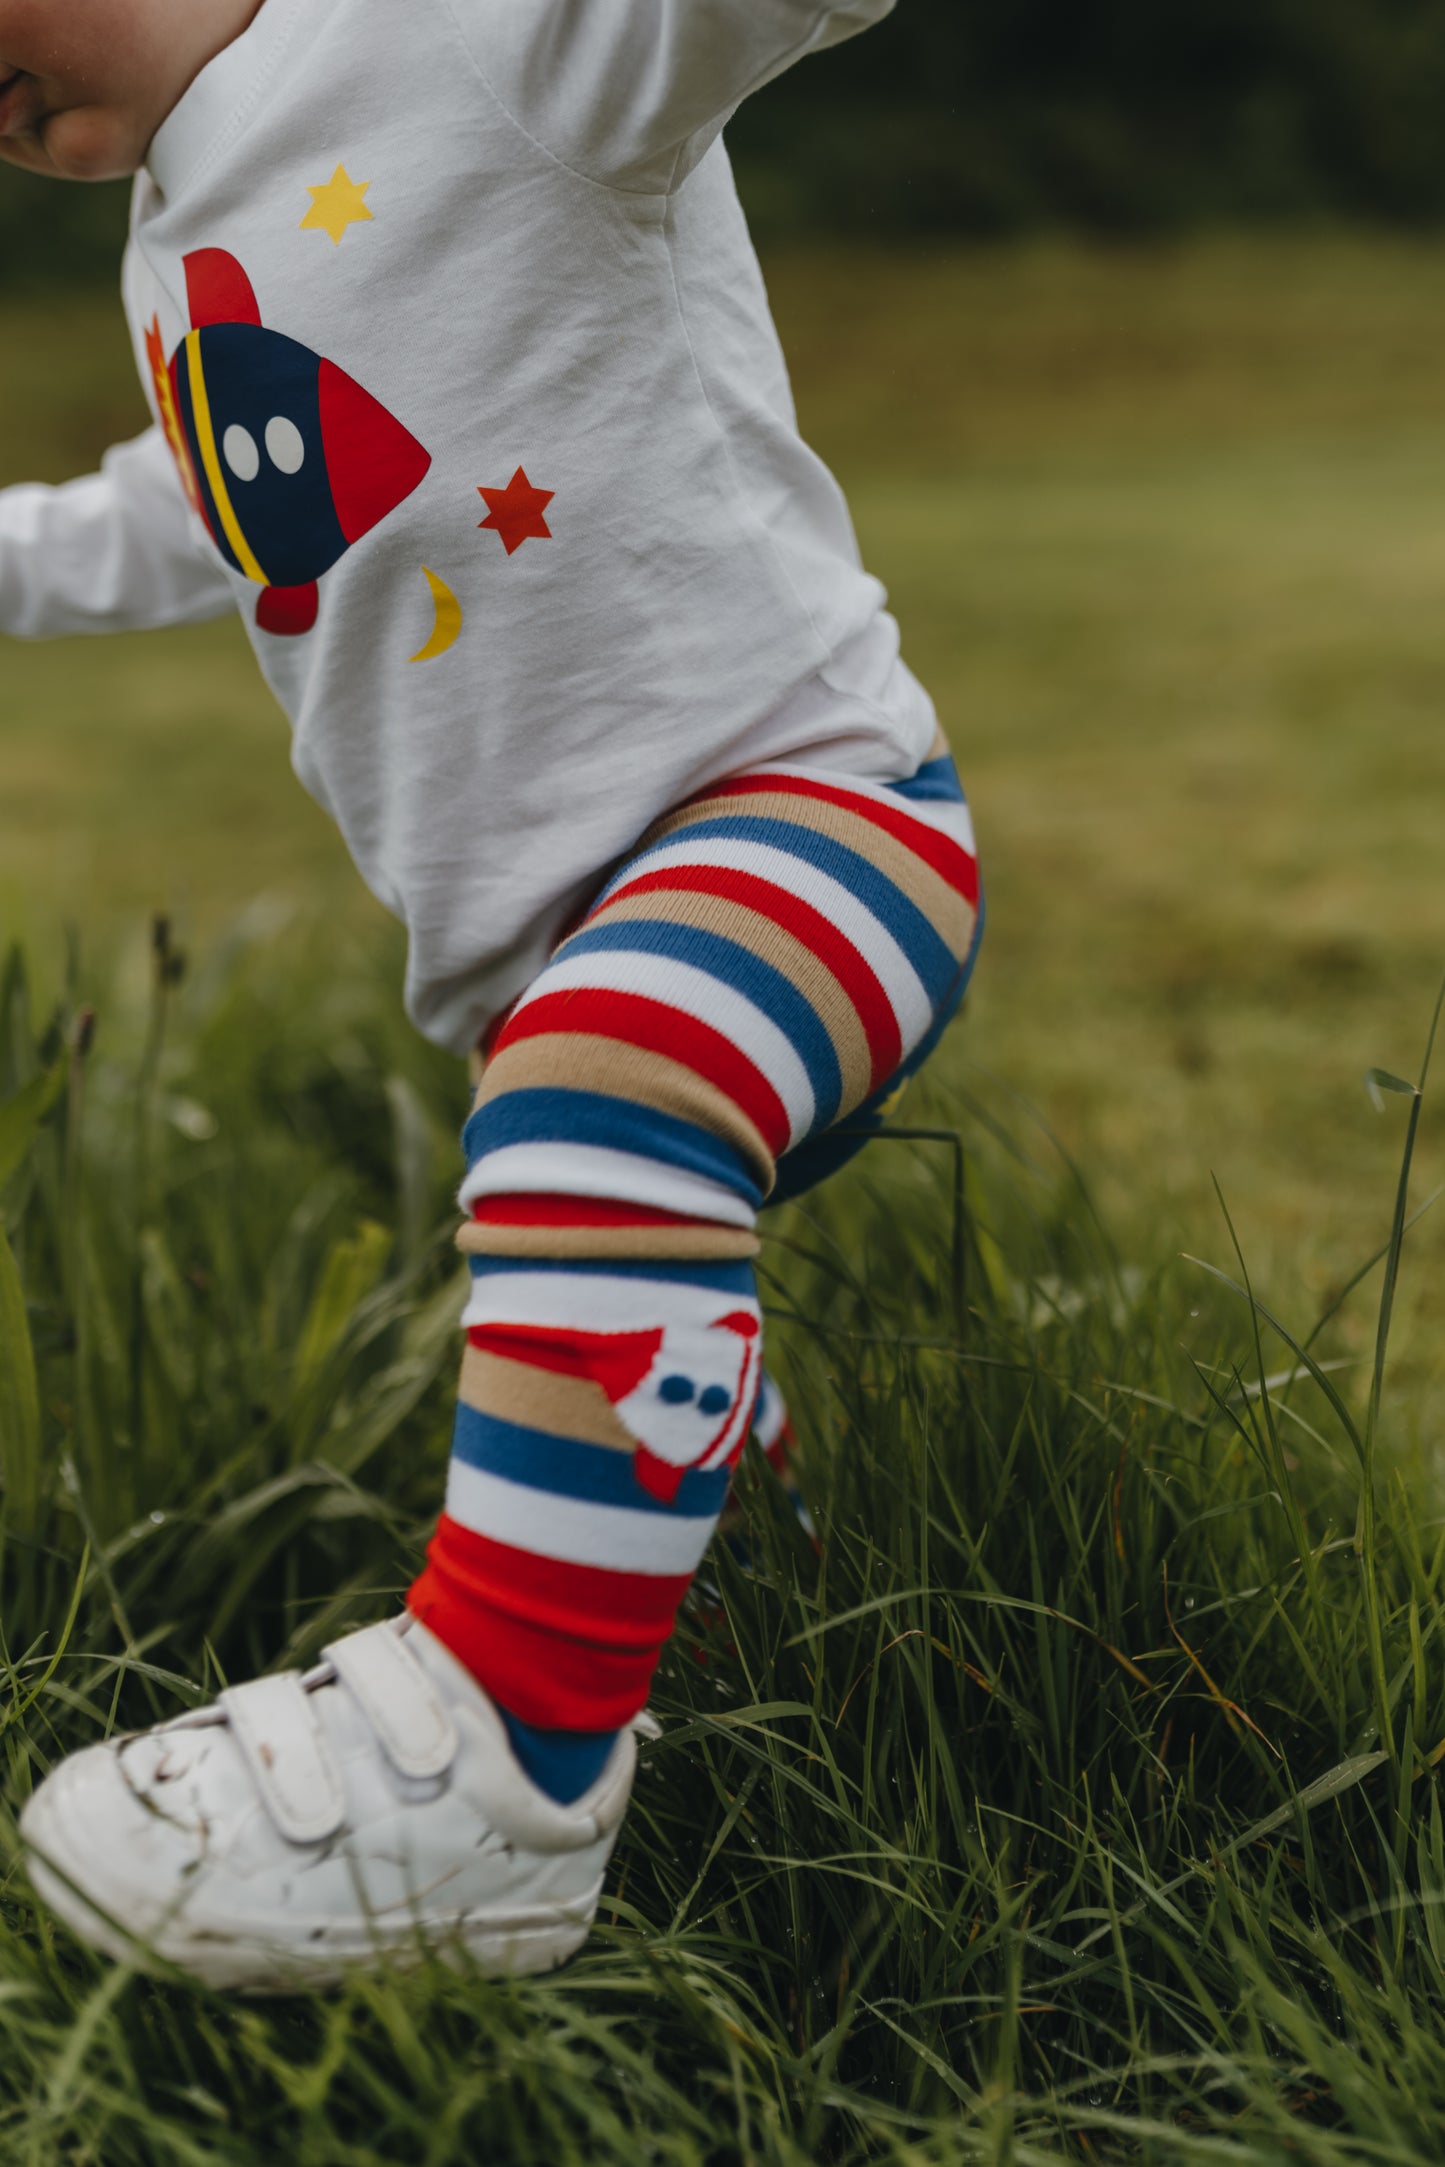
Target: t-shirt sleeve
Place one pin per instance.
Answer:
(632, 93)
(116, 552)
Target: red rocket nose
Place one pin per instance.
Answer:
(372, 462)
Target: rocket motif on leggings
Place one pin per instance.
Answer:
(694, 1401)
(285, 457)
(685, 1392)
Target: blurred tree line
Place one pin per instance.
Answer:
(991, 117)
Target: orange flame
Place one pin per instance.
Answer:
(170, 419)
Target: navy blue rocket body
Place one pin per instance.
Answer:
(287, 459)
(253, 377)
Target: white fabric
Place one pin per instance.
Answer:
(634, 92)
(556, 1298)
(576, 1531)
(596, 1170)
(115, 552)
(554, 275)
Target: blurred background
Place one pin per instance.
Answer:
(989, 121)
(1124, 327)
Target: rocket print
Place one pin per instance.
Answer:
(693, 1406)
(684, 1389)
(286, 458)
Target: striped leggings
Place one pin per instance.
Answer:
(775, 959)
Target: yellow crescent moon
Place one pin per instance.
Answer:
(449, 619)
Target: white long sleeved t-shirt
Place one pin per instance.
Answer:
(467, 396)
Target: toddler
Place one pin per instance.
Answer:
(466, 395)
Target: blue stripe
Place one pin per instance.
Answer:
(817, 1157)
(553, 1115)
(735, 966)
(936, 783)
(565, 1467)
(734, 1279)
(930, 956)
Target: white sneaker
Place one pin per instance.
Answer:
(372, 1809)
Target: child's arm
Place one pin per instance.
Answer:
(632, 93)
(113, 553)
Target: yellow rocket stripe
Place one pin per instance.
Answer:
(206, 437)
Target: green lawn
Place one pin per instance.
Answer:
(1083, 1803)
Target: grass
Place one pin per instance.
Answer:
(1082, 1803)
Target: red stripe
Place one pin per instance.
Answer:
(568, 1647)
(817, 934)
(573, 1211)
(634, 1020)
(949, 859)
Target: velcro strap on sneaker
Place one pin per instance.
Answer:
(398, 1699)
(287, 1756)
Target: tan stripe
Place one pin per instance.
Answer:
(540, 1400)
(705, 1243)
(951, 917)
(819, 988)
(573, 1061)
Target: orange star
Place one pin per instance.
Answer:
(516, 512)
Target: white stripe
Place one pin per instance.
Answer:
(947, 816)
(695, 993)
(596, 1302)
(574, 1530)
(902, 984)
(554, 1169)
(771, 1415)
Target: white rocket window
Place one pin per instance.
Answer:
(286, 445)
(242, 457)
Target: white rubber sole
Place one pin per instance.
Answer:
(297, 1956)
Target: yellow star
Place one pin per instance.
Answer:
(341, 203)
